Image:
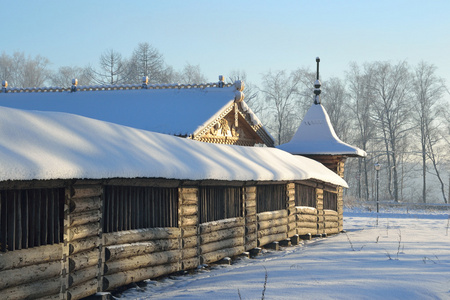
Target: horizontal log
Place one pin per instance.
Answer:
(270, 215)
(135, 249)
(189, 220)
(331, 225)
(272, 223)
(251, 219)
(187, 191)
(223, 244)
(139, 235)
(86, 191)
(271, 238)
(81, 276)
(187, 210)
(86, 289)
(320, 219)
(190, 242)
(331, 230)
(292, 219)
(251, 228)
(272, 230)
(51, 297)
(31, 256)
(306, 210)
(33, 290)
(328, 212)
(85, 244)
(18, 276)
(123, 278)
(84, 259)
(304, 231)
(307, 225)
(250, 210)
(222, 235)
(84, 204)
(188, 231)
(142, 261)
(83, 231)
(331, 219)
(189, 253)
(307, 218)
(250, 202)
(320, 226)
(220, 225)
(250, 190)
(219, 254)
(92, 216)
(190, 263)
(251, 245)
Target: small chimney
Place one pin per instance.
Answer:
(221, 81)
(317, 85)
(4, 86)
(73, 88)
(145, 82)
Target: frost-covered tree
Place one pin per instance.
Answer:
(428, 91)
(22, 71)
(191, 74)
(146, 61)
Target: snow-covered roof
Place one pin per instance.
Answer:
(170, 109)
(51, 145)
(316, 135)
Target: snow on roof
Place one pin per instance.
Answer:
(50, 145)
(177, 111)
(316, 135)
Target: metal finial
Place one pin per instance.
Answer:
(317, 85)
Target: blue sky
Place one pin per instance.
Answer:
(221, 36)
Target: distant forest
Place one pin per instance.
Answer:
(396, 112)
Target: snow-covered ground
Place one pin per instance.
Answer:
(403, 256)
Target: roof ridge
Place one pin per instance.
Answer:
(113, 87)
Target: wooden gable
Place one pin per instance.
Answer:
(234, 126)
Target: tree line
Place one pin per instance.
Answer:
(397, 113)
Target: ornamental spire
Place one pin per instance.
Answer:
(317, 85)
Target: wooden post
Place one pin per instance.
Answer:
(250, 218)
(188, 222)
(319, 206)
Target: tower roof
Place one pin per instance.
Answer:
(316, 136)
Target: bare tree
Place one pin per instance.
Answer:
(251, 92)
(111, 69)
(146, 61)
(360, 107)
(391, 85)
(428, 91)
(63, 77)
(191, 74)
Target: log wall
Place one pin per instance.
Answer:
(306, 218)
(89, 260)
(272, 226)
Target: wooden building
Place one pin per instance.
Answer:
(93, 196)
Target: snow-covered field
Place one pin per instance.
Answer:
(403, 256)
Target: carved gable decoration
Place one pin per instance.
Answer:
(232, 127)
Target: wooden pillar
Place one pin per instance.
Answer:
(83, 258)
(251, 237)
(290, 206)
(188, 221)
(319, 207)
(340, 207)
